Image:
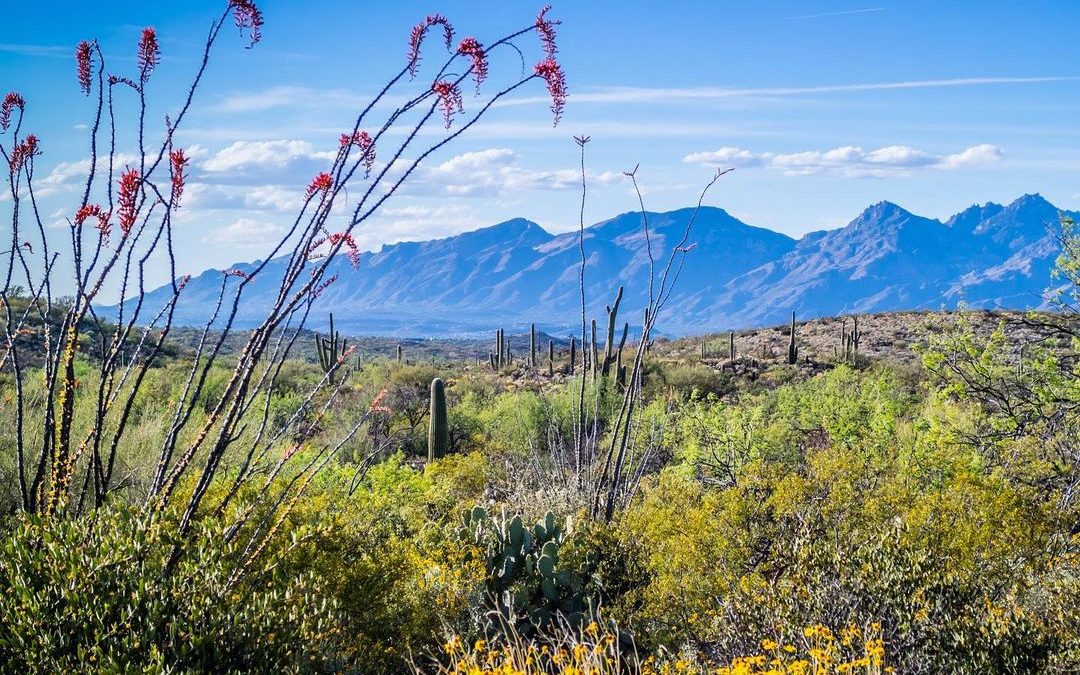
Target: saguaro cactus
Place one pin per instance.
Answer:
(534, 361)
(793, 349)
(609, 345)
(330, 349)
(593, 352)
(438, 424)
(551, 358)
(573, 353)
(731, 345)
(400, 353)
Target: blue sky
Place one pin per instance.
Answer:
(823, 107)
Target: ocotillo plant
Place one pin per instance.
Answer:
(793, 349)
(645, 345)
(438, 424)
(330, 349)
(125, 215)
(609, 345)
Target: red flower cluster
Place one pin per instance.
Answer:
(22, 152)
(178, 162)
(470, 46)
(377, 403)
(183, 282)
(82, 59)
(350, 246)
(149, 53)
(418, 33)
(449, 99)
(248, 16)
(320, 183)
(553, 74)
(317, 291)
(126, 199)
(94, 211)
(546, 29)
(237, 273)
(362, 140)
(11, 101)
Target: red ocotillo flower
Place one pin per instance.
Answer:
(545, 28)
(249, 17)
(449, 99)
(418, 33)
(237, 273)
(149, 53)
(553, 74)
(94, 211)
(318, 290)
(126, 199)
(320, 183)
(11, 101)
(83, 54)
(471, 47)
(178, 162)
(377, 403)
(349, 243)
(362, 140)
(22, 152)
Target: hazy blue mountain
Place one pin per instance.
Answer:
(736, 275)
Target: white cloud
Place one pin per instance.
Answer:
(973, 156)
(725, 156)
(249, 154)
(849, 160)
(697, 94)
(246, 233)
(496, 170)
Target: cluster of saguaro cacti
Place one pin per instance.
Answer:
(601, 365)
(438, 423)
(524, 576)
(849, 340)
(501, 356)
(793, 348)
(330, 349)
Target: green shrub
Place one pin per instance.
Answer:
(95, 594)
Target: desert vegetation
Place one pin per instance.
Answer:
(871, 494)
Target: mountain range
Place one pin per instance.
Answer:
(735, 276)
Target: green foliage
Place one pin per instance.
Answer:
(531, 588)
(95, 594)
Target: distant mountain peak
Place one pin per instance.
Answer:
(883, 210)
(514, 272)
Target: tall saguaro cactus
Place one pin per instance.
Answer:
(731, 345)
(438, 424)
(593, 352)
(573, 353)
(793, 349)
(609, 345)
(330, 349)
(534, 361)
(551, 358)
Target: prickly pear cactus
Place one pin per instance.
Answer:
(525, 580)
